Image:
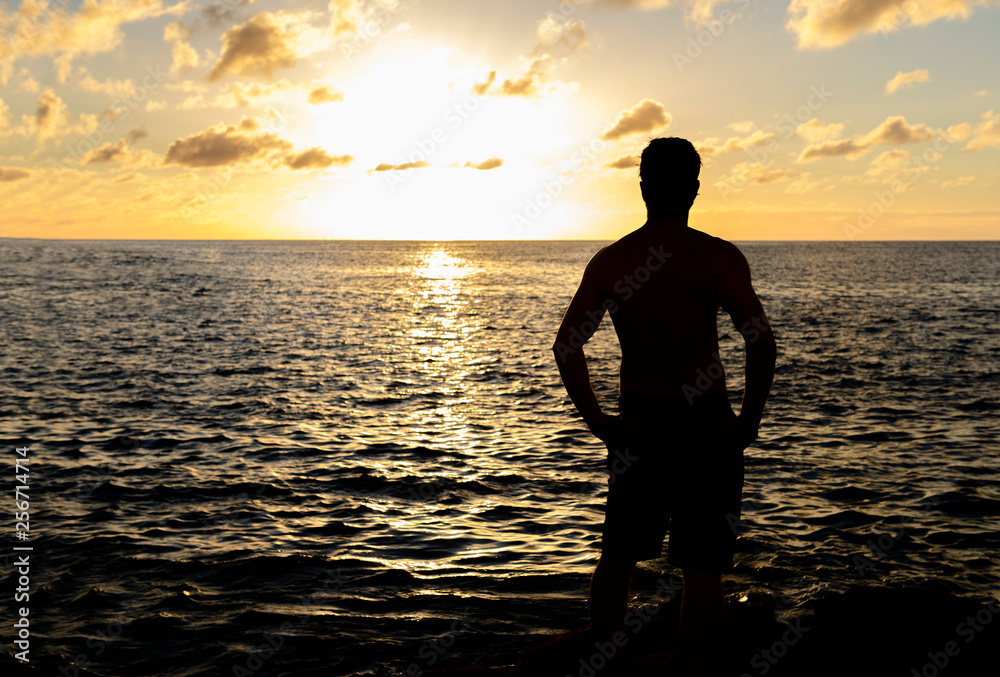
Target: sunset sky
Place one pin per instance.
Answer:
(440, 119)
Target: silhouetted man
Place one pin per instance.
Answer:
(675, 451)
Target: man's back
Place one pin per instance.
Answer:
(662, 288)
(663, 285)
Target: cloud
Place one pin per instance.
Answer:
(831, 23)
(710, 147)
(894, 131)
(225, 145)
(481, 88)
(984, 134)
(8, 174)
(754, 173)
(36, 29)
(815, 131)
(524, 86)
(120, 152)
(51, 115)
(266, 43)
(185, 58)
(557, 40)
(130, 176)
(316, 158)
(646, 116)
(110, 87)
(324, 94)
(894, 163)
(849, 148)
(959, 182)
(699, 11)
(981, 92)
(907, 79)
(492, 163)
(29, 84)
(107, 153)
(344, 16)
(892, 158)
(386, 167)
(624, 162)
(803, 184)
(242, 94)
(215, 13)
(744, 127)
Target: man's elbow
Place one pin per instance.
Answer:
(562, 350)
(764, 346)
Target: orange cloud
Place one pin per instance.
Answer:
(316, 158)
(185, 58)
(492, 163)
(710, 147)
(324, 94)
(895, 131)
(259, 47)
(224, 145)
(386, 167)
(815, 131)
(985, 133)
(45, 29)
(624, 162)
(646, 116)
(699, 11)
(831, 23)
(907, 79)
(8, 174)
(557, 40)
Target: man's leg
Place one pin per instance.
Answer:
(702, 621)
(609, 597)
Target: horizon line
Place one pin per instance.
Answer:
(344, 239)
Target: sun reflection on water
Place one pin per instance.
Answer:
(442, 322)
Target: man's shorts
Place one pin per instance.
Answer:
(671, 470)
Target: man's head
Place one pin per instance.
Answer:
(668, 174)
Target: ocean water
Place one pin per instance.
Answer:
(357, 458)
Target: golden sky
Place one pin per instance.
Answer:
(440, 119)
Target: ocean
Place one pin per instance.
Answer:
(357, 458)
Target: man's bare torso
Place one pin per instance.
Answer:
(661, 289)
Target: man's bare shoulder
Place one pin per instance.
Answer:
(728, 254)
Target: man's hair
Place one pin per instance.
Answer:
(668, 169)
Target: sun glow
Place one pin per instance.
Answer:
(470, 162)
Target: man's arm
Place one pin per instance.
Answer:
(582, 318)
(738, 298)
